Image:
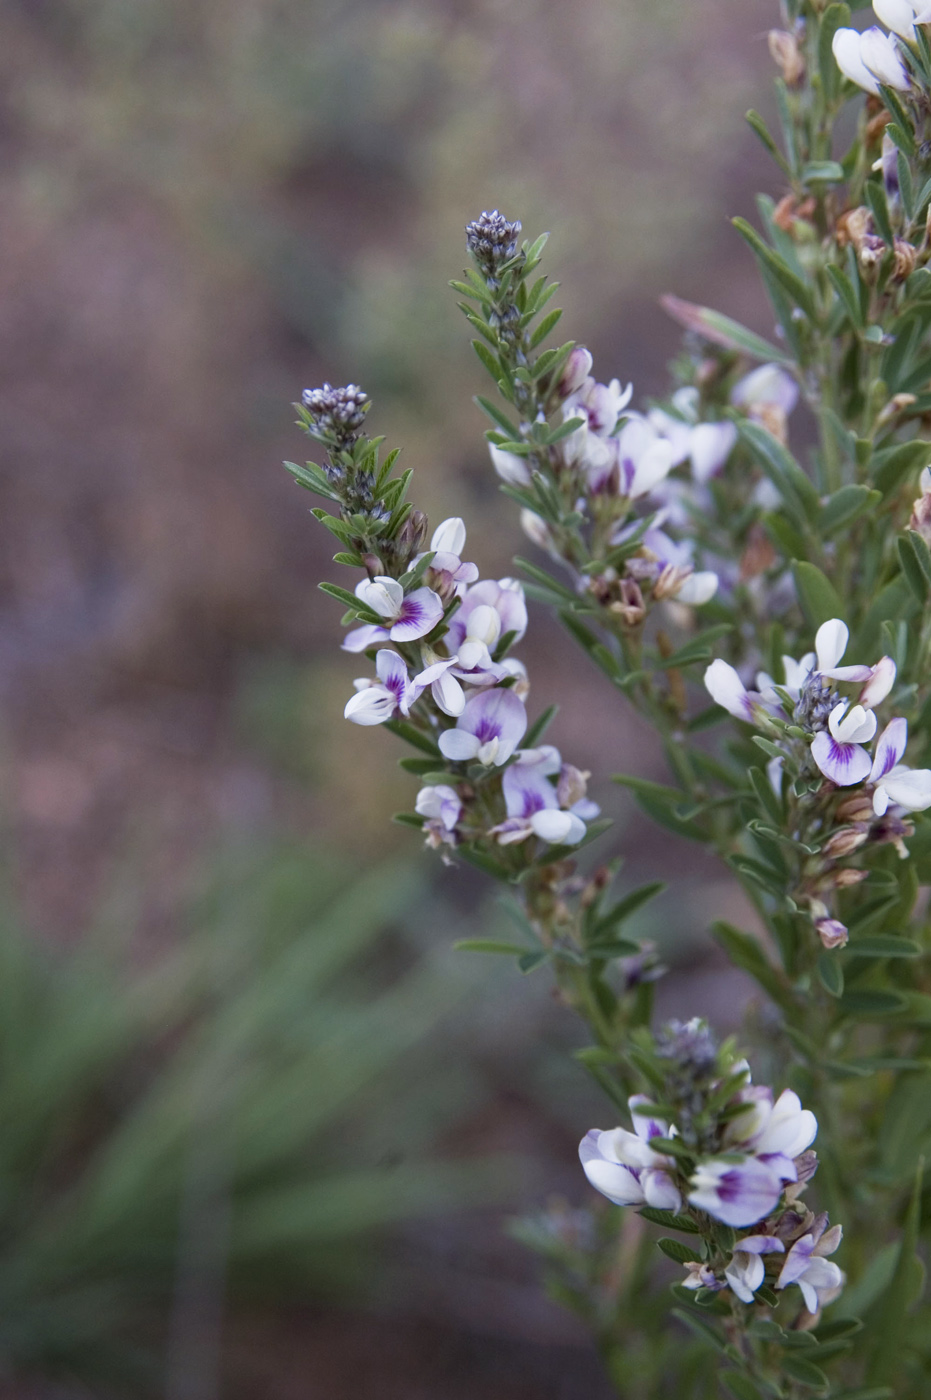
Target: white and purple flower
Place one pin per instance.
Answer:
(377, 701)
(442, 807)
(489, 729)
(737, 1193)
(869, 59)
(535, 807)
(775, 1133)
(838, 750)
(407, 617)
(819, 1279)
(623, 1166)
(746, 1270)
(894, 783)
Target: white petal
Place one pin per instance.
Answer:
(558, 828)
(897, 15)
(727, 689)
(697, 589)
(890, 746)
(448, 694)
(881, 58)
(710, 445)
(509, 467)
(830, 643)
(450, 537)
(458, 745)
(614, 1181)
(910, 789)
(745, 1273)
(361, 638)
(846, 49)
(856, 727)
(660, 1191)
(383, 595)
(373, 705)
(769, 384)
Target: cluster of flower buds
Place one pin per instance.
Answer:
(874, 57)
(822, 740)
(720, 1149)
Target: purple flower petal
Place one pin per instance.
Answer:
(844, 764)
(737, 1193)
(495, 717)
(890, 746)
(419, 614)
(361, 638)
(527, 790)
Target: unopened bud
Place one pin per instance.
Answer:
(848, 876)
(832, 932)
(921, 518)
(413, 532)
(843, 843)
(786, 54)
(904, 257)
(671, 580)
(572, 785)
(492, 240)
(871, 252)
(337, 414)
(575, 372)
(856, 808)
(853, 226)
(536, 529)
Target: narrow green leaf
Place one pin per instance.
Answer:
(705, 1331)
(677, 1250)
(721, 330)
(846, 505)
(831, 974)
(669, 1220)
(898, 1297)
(911, 568)
(488, 359)
(740, 1385)
(798, 490)
(539, 727)
(883, 946)
(546, 325)
(816, 594)
(834, 18)
(791, 283)
(804, 1371)
(757, 124)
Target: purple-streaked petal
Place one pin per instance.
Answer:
(373, 705)
(890, 746)
(736, 1193)
(760, 1244)
(844, 764)
(382, 594)
(745, 1273)
(361, 638)
(797, 1261)
(419, 614)
(527, 790)
(495, 715)
(612, 1179)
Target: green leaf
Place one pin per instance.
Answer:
(697, 649)
(745, 952)
(883, 946)
(740, 1385)
(835, 17)
(497, 416)
(675, 1249)
(831, 975)
(413, 736)
(898, 1297)
(489, 359)
(867, 1004)
(911, 568)
(805, 1372)
(889, 466)
(669, 1220)
(823, 172)
(847, 293)
(530, 961)
(721, 330)
(797, 490)
(757, 124)
(544, 328)
(841, 509)
(540, 726)
(705, 1331)
(625, 907)
(488, 864)
(816, 594)
(791, 283)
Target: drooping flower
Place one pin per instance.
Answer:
(509, 466)
(819, 1279)
(838, 750)
(623, 1166)
(407, 617)
(447, 573)
(746, 1270)
(727, 690)
(489, 729)
(601, 405)
(442, 807)
(575, 371)
(737, 1193)
(894, 783)
(377, 701)
(533, 803)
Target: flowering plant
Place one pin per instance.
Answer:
(694, 554)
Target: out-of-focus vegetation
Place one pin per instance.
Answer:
(231, 1124)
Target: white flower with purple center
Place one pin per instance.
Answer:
(489, 729)
(377, 701)
(838, 750)
(601, 405)
(727, 690)
(623, 1166)
(532, 801)
(737, 1193)
(746, 1270)
(776, 1133)
(439, 803)
(819, 1279)
(448, 694)
(894, 783)
(644, 458)
(506, 596)
(446, 571)
(407, 617)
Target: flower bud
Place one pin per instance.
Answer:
(572, 786)
(856, 808)
(450, 537)
(536, 529)
(785, 53)
(904, 257)
(509, 466)
(842, 879)
(631, 608)
(853, 226)
(844, 843)
(832, 932)
(575, 372)
(492, 240)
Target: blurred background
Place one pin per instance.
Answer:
(259, 1129)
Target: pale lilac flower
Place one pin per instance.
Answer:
(506, 597)
(533, 804)
(819, 1279)
(727, 690)
(406, 617)
(832, 932)
(881, 681)
(511, 468)
(831, 641)
(447, 573)
(623, 1166)
(746, 1270)
(512, 667)
(601, 405)
(894, 783)
(644, 458)
(838, 750)
(737, 1193)
(377, 701)
(669, 566)
(709, 446)
(766, 387)
(439, 803)
(489, 729)
(361, 638)
(701, 1276)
